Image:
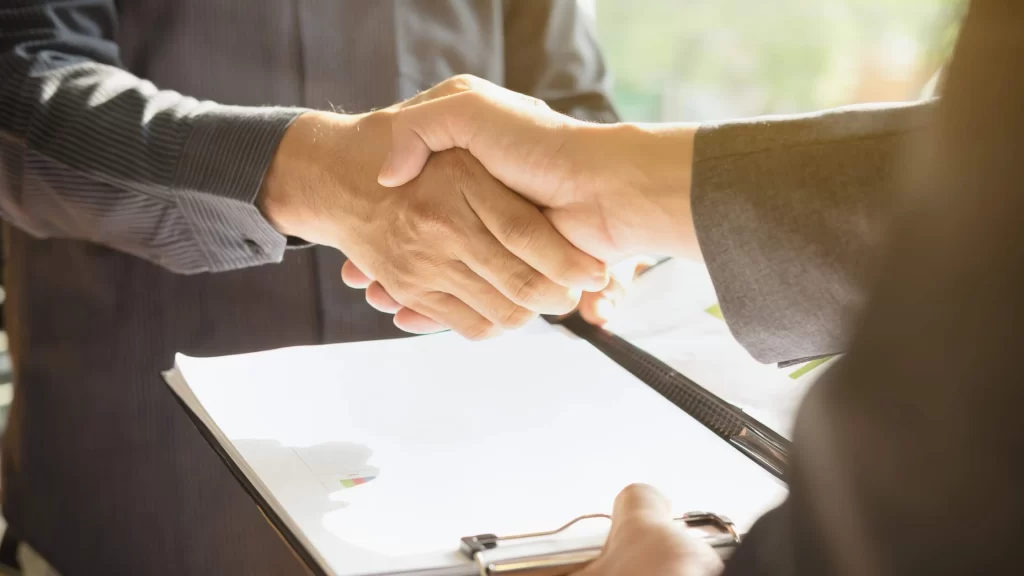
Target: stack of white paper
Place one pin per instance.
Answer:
(381, 456)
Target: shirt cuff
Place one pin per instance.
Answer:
(219, 174)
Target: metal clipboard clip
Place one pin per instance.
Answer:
(538, 554)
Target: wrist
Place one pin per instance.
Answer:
(643, 174)
(302, 165)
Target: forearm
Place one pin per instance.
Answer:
(92, 152)
(786, 212)
(640, 174)
(307, 162)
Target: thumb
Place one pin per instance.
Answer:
(418, 130)
(638, 503)
(641, 501)
(405, 161)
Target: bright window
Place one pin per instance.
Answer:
(702, 60)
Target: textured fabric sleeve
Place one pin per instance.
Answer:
(909, 454)
(91, 152)
(788, 213)
(551, 54)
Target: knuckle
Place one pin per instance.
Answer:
(437, 300)
(402, 271)
(525, 286)
(428, 268)
(456, 168)
(408, 288)
(532, 101)
(463, 82)
(475, 96)
(429, 217)
(518, 233)
(481, 330)
(437, 222)
(475, 102)
(538, 103)
(516, 317)
(400, 292)
(404, 281)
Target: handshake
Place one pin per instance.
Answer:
(474, 208)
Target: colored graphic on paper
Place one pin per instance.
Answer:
(806, 368)
(353, 482)
(339, 465)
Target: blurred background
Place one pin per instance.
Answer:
(702, 60)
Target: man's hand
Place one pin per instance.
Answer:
(613, 190)
(455, 246)
(645, 541)
(597, 308)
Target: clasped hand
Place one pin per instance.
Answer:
(453, 248)
(555, 162)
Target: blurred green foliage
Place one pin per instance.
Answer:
(707, 59)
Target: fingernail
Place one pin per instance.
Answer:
(598, 282)
(605, 309)
(572, 300)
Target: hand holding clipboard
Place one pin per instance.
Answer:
(644, 539)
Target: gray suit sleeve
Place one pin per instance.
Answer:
(551, 54)
(908, 453)
(91, 152)
(789, 212)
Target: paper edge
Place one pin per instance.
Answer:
(178, 384)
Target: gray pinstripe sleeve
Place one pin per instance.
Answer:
(789, 212)
(89, 151)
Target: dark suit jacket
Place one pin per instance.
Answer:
(910, 453)
(115, 189)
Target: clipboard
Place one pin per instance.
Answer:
(536, 555)
(532, 554)
(543, 553)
